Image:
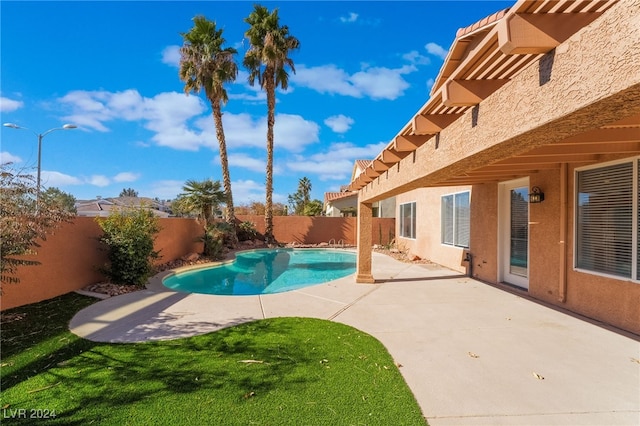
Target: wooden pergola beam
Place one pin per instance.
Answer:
(379, 165)
(524, 33)
(457, 93)
(408, 143)
(432, 124)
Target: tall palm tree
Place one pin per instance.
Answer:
(206, 65)
(304, 186)
(201, 197)
(267, 59)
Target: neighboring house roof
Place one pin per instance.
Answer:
(332, 196)
(359, 166)
(103, 206)
(484, 57)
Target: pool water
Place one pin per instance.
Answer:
(266, 271)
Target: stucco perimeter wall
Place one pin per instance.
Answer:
(427, 243)
(70, 258)
(316, 230)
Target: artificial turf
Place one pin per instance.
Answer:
(281, 371)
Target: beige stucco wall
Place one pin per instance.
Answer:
(483, 244)
(427, 242)
(610, 300)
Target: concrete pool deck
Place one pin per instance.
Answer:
(472, 353)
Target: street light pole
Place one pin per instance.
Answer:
(40, 136)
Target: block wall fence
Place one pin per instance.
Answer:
(71, 257)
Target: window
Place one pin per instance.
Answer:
(455, 219)
(408, 220)
(607, 216)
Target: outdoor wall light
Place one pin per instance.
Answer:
(537, 196)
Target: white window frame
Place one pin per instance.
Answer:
(413, 219)
(454, 220)
(635, 217)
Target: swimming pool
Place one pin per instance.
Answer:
(266, 271)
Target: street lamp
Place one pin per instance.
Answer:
(40, 136)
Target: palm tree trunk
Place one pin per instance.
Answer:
(229, 215)
(268, 205)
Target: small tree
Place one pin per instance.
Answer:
(313, 208)
(299, 200)
(129, 234)
(55, 196)
(128, 192)
(21, 225)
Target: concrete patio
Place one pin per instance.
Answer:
(473, 354)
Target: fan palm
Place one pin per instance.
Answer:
(206, 65)
(267, 59)
(201, 198)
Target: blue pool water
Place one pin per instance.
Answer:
(266, 271)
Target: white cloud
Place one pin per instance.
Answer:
(7, 157)
(339, 123)
(430, 83)
(291, 132)
(126, 177)
(373, 82)
(336, 169)
(246, 162)
(416, 58)
(8, 105)
(99, 180)
(51, 178)
(258, 165)
(177, 120)
(337, 162)
(166, 114)
(352, 17)
(171, 56)
(166, 189)
(247, 190)
(436, 50)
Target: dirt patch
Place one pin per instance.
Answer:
(401, 256)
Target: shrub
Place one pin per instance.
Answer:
(22, 224)
(247, 231)
(213, 239)
(129, 235)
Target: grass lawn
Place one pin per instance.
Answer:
(283, 371)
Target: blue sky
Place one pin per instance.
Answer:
(111, 68)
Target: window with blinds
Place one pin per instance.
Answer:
(408, 220)
(606, 227)
(455, 219)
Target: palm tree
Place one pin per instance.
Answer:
(201, 197)
(304, 186)
(266, 59)
(206, 64)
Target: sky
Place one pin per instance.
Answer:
(363, 69)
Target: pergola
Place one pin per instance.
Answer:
(531, 88)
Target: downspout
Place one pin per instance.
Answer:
(562, 290)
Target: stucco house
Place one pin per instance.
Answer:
(523, 167)
(345, 202)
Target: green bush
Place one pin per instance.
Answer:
(247, 231)
(214, 240)
(129, 235)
